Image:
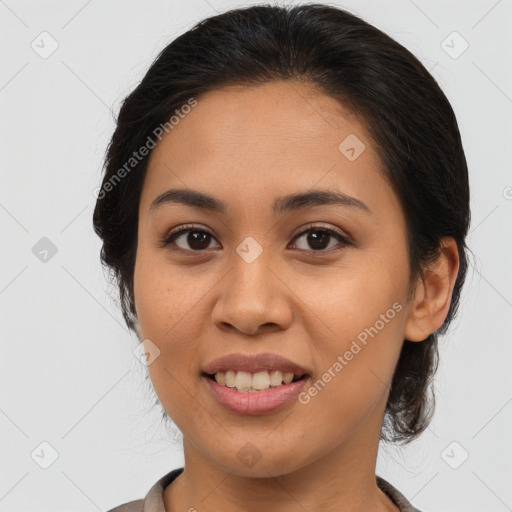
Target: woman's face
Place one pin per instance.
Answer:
(258, 282)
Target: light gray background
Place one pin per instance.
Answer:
(68, 374)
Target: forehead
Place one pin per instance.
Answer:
(266, 140)
(294, 112)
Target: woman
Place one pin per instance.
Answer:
(284, 207)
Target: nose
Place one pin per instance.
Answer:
(253, 299)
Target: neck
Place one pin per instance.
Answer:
(343, 480)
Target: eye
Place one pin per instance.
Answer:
(197, 239)
(319, 236)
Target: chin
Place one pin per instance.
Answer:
(254, 461)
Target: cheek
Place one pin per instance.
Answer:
(357, 368)
(353, 298)
(358, 351)
(168, 303)
(159, 299)
(164, 307)
(152, 292)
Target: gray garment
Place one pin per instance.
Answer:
(154, 502)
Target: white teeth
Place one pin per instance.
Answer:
(246, 381)
(230, 378)
(276, 377)
(243, 380)
(260, 380)
(287, 377)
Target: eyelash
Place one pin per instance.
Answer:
(170, 237)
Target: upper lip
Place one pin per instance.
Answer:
(254, 363)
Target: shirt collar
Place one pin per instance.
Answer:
(154, 500)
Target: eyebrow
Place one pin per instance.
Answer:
(282, 205)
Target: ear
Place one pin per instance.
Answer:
(433, 293)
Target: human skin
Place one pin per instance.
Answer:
(247, 146)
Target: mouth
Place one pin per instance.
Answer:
(255, 383)
(262, 392)
(249, 382)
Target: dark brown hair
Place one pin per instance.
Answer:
(410, 120)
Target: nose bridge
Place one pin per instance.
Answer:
(251, 278)
(251, 296)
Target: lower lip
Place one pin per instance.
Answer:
(259, 402)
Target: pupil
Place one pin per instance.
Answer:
(313, 239)
(196, 237)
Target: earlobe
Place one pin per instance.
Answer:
(433, 293)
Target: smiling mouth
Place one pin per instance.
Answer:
(248, 382)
